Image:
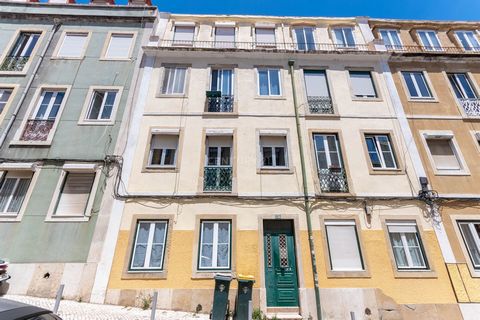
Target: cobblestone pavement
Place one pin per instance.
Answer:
(72, 310)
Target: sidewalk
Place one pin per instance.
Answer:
(72, 310)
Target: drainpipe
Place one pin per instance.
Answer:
(55, 27)
(305, 195)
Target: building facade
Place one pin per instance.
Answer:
(435, 66)
(66, 73)
(218, 175)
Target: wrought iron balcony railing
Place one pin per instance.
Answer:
(224, 103)
(14, 63)
(267, 46)
(333, 180)
(320, 105)
(471, 107)
(431, 49)
(37, 130)
(217, 179)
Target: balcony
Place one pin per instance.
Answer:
(263, 47)
(14, 63)
(471, 107)
(320, 105)
(216, 102)
(430, 50)
(333, 180)
(217, 179)
(37, 130)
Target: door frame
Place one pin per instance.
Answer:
(302, 292)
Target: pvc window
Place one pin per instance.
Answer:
(149, 247)
(470, 231)
(49, 104)
(362, 84)
(14, 187)
(219, 151)
(429, 40)
(344, 37)
(21, 51)
(391, 38)
(119, 46)
(174, 80)
(215, 245)
(304, 38)
(417, 85)
(73, 45)
(407, 246)
(5, 94)
(274, 151)
(462, 86)
(265, 37)
(343, 246)
(444, 154)
(380, 151)
(183, 35)
(327, 151)
(269, 82)
(163, 150)
(101, 105)
(75, 194)
(468, 40)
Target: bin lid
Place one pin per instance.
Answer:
(223, 276)
(245, 277)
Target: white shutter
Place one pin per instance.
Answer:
(75, 193)
(362, 84)
(316, 84)
(343, 248)
(402, 228)
(119, 46)
(273, 141)
(184, 33)
(443, 155)
(225, 34)
(164, 141)
(72, 45)
(265, 36)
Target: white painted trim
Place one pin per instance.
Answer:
(9, 166)
(219, 132)
(80, 167)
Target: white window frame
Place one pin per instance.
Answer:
(12, 90)
(349, 223)
(274, 159)
(390, 38)
(215, 245)
(432, 96)
(88, 103)
(11, 44)
(148, 252)
(379, 151)
(74, 168)
(473, 48)
(430, 42)
(175, 133)
(460, 86)
(65, 33)
(279, 70)
(340, 45)
(107, 44)
(164, 78)
(305, 37)
(430, 134)
(32, 109)
(475, 237)
(405, 246)
(327, 149)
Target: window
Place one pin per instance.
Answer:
(468, 40)
(163, 150)
(305, 38)
(443, 154)
(149, 247)
(391, 39)
(344, 37)
(461, 86)
(429, 40)
(43, 118)
(343, 245)
(327, 151)
(73, 45)
(219, 151)
(269, 82)
(380, 151)
(19, 55)
(4, 97)
(265, 37)
(13, 191)
(224, 37)
(174, 80)
(471, 236)
(406, 245)
(274, 151)
(214, 251)
(183, 35)
(102, 105)
(222, 80)
(75, 194)
(119, 46)
(362, 84)
(316, 83)
(417, 85)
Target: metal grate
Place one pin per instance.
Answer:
(220, 104)
(333, 180)
(37, 130)
(269, 250)
(217, 179)
(320, 105)
(14, 63)
(282, 244)
(471, 107)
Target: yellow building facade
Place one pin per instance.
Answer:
(216, 172)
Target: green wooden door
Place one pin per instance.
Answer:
(280, 264)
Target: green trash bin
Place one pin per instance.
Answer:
(220, 296)
(244, 296)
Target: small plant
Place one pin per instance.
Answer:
(79, 299)
(257, 314)
(145, 302)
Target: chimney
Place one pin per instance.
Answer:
(139, 2)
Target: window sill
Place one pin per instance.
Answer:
(423, 100)
(270, 98)
(386, 171)
(160, 169)
(359, 99)
(115, 59)
(67, 219)
(10, 217)
(207, 114)
(30, 143)
(451, 173)
(217, 193)
(210, 274)
(348, 274)
(144, 274)
(275, 170)
(424, 274)
(322, 115)
(67, 58)
(170, 96)
(13, 73)
(96, 123)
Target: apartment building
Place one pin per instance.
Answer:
(219, 177)
(65, 76)
(435, 66)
